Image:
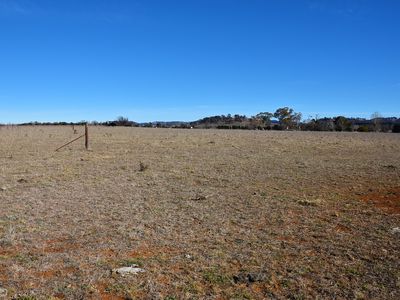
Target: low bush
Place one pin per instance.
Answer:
(363, 128)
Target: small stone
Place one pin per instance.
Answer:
(199, 198)
(395, 230)
(3, 293)
(390, 167)
(257, 277)
(310, 202)
(250, 277)
(132, 270)
(3, 188)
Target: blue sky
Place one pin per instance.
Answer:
(185, 59)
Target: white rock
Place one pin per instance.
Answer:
(3, 293)
(3, 188)
(395, 230)
(132, 270)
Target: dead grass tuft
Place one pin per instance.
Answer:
(142, 167)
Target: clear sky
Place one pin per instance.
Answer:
(72, 60)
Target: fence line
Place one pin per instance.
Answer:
(86, 135)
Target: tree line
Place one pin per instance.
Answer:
(284, 118)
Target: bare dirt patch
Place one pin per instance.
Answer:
(387, 200)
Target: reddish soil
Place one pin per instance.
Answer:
(48, 274)
(104, 295)
(386, 200)
(59, 246)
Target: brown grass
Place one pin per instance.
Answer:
(208, 214)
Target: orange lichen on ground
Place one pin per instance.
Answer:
(386, 200)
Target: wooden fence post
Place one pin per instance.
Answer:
(86, 136)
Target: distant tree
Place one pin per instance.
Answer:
(123, 121)
(310, 124)
(148, 124)
(296, 119)
(342, 124)
(255, 123)
(376, 120)
(325, 124)
(287, 117)
(265, 117)
(238, 118)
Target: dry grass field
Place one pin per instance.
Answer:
(208, 214)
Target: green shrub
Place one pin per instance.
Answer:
(363, 128)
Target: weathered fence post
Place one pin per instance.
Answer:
(86, 136)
